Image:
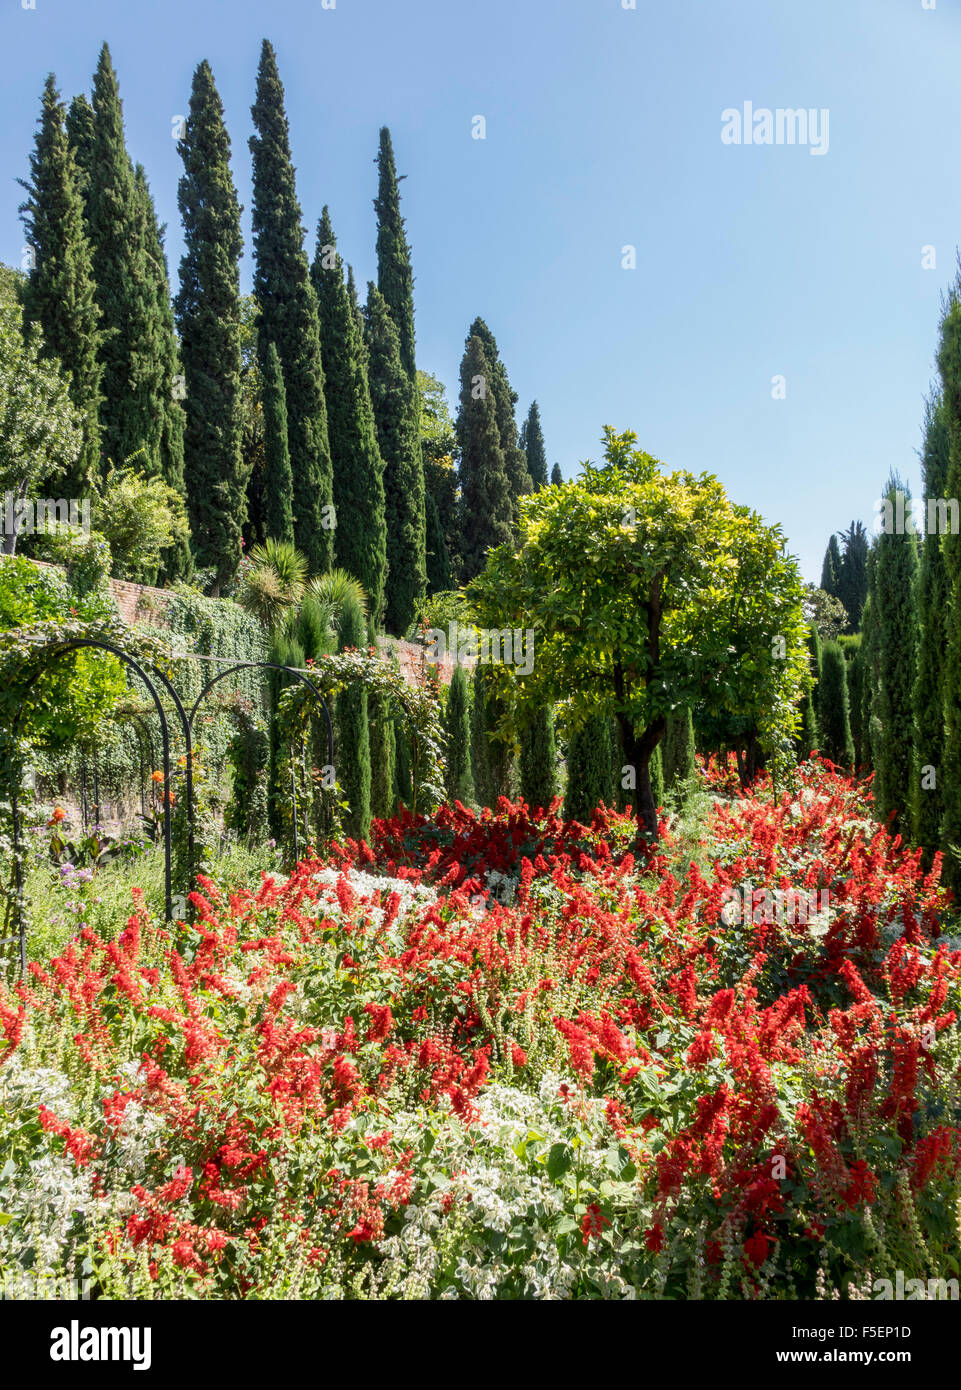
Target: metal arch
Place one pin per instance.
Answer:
(291, 671)
(269, 666)
(61, 649)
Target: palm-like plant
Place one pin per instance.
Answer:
(332, 591)
(274, 582)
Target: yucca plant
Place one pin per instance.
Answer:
(273, 584)
(336, 591)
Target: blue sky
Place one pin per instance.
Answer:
(603, 130)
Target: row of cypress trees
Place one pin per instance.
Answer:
(343, 473)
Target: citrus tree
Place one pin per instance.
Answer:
(649, 591)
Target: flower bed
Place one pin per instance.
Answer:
(504, 1058)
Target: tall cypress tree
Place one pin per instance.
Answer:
(278, 478)
(505, 399)
(855, 660)
(808, 733)
(896, 580)
(288, 315)
(556, 476)
(590, 758)
(538, 760)
(949, 366)
(485, 490)
(831, 568)
(358, 469)
(852, 576)
(79, 126)
(353, 732)
(534, 450)
(383, 755)
(439, 578)
(394, 399)
(59, 293)
(491, 758)
(457, 728)
(833, 707)
(870, 672)
(933, 597)
(395, 278)
(209, 319)
(133, 345)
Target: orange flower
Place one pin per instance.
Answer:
(59, 814)
(156, 776)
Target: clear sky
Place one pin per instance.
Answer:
(603, 130)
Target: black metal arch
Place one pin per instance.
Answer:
(186, 722)
(61, 649)
(291, 671)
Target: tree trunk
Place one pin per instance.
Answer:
(637, 754)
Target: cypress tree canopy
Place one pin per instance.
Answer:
(209, 318)
(394, 400)
(288, 315)
(896, 579)
(395, 279)
(59, 293)
(485, 492)
(933, 608)
(278, 481)
(533, 446)
(358, 469)
(505, 399)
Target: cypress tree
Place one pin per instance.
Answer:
(457, 728)
(439, 578)
(589, 769)
(288, 316)
(134, 349)
(394, 398)
(833, 707)
(59, 293)
(79, 126)
(278, 479)
(353, 731)
(856, 704)
(534, 450)
(538, 760)
(852, 576)
(395, 278)
(949, 366)
(556, 476)
(209, 318)
(485, 491)
(830, 570)
(383, 756)
(677, 748)
(505, 399)
(808, 733)
(896, 579)
(870, 670)
(358, 469)
(403, 786)
(491, 759)
(933, 607)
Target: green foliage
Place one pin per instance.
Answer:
(808, 734)
(491, 755)
(288, 315)
(505, 399)
(852, 577)
(383, 755)
(949, 366)
(537, 764)
(896, 590)
(723, 602)
(532, 442)
(59, 293)
(140, 518)
(249, 757)
(557, 476)
(831, 568)
(590, 761)
(41, 433)
(361, 542)
(277, 480)
(396, 412)
(273, 582)
(438, 439)
(76, 694)
(854, 656)
(395, 279)
(833, 707)
(437, 555)
(677, 748)
(486, 507)
(457, 728)
(208, 318)
(933, 610)
(353, 733)
(825, 612)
